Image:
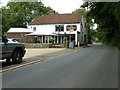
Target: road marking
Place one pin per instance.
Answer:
(21, 65)
(29, 63)
(117, 49)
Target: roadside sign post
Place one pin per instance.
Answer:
(71, 44)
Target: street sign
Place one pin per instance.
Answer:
(71, 27)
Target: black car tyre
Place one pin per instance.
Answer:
(17, 57)
(8, 60)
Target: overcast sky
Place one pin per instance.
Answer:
(63, 6)
(60, 6)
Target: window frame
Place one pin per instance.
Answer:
(59, 28)
(34, 29)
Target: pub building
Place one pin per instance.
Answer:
(63, 28)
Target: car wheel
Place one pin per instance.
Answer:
(8, 60)
(17, 57)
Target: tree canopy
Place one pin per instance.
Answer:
(18, 14)
(107, 16)
(91, 32)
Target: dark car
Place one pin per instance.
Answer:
(11, 50)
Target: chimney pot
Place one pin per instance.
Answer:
(51, 12)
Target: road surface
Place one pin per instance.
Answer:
(92, 67)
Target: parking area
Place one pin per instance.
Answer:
(31, 52)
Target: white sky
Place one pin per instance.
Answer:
(63, 6)
(60, 6)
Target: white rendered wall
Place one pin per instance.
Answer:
(50, 28)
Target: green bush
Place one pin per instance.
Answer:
(51, 40)
(37, 42)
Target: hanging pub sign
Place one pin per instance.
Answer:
(71, 27)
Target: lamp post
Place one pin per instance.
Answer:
(71, 30)
(69, 36)
(71, 44)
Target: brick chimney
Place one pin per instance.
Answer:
(51, 12)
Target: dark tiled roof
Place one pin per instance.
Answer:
(57, 19)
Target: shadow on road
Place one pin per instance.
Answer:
(5, 64)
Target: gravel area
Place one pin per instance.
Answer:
(37, 52)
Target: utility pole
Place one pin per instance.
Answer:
(69, 36)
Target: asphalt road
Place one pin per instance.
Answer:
(92, 67)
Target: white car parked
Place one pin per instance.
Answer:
(12, 41)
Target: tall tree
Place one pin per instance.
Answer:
(18, 14)
(79, 10)
(0, 21)
(107, 16)
(91, 32)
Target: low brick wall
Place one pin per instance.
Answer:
(36, 45)
(44, 45)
